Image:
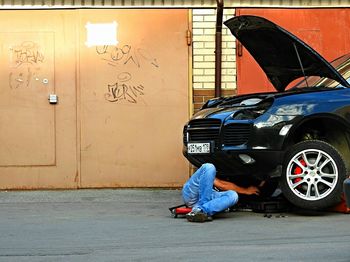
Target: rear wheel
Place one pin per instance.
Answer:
(313, 175)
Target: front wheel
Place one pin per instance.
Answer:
(313, 175)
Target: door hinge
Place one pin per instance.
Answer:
(189, 37)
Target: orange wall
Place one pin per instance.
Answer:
(121, 109)
(326, 30)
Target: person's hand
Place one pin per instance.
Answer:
(252, 190)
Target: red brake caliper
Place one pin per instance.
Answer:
(298, 170)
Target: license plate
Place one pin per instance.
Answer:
(198, 148)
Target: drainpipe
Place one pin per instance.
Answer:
(218, 46)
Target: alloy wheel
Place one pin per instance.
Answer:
(312, 174)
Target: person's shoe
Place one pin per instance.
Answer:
(197, 215)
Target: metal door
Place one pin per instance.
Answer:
(134, 99)
(325, 30)
(37, 138)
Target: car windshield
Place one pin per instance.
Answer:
(342, 64)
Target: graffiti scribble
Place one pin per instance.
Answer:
(26, 59)
(122, 89)
(126, 55)
(26, 53)
(20, 78)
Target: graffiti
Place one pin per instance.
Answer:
(126, 55)
(20, 78)
(26, 53)
(26, 59)
(123, 89)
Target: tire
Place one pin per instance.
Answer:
(313, 175)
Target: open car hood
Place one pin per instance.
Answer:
(281, 55)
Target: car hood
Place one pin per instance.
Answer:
(282, 56)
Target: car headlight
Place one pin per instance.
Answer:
(271, 120)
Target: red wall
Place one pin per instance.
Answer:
(326, 30)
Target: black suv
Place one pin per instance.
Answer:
(298, 136)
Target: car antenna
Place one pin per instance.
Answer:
(300, 63)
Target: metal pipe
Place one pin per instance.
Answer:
(218, 46)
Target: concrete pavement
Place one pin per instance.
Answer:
(135, 225)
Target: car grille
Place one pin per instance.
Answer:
(236, 134)
(203, 130)
(200, 130)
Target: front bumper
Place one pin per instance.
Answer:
(260, 139)
(228, 163)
